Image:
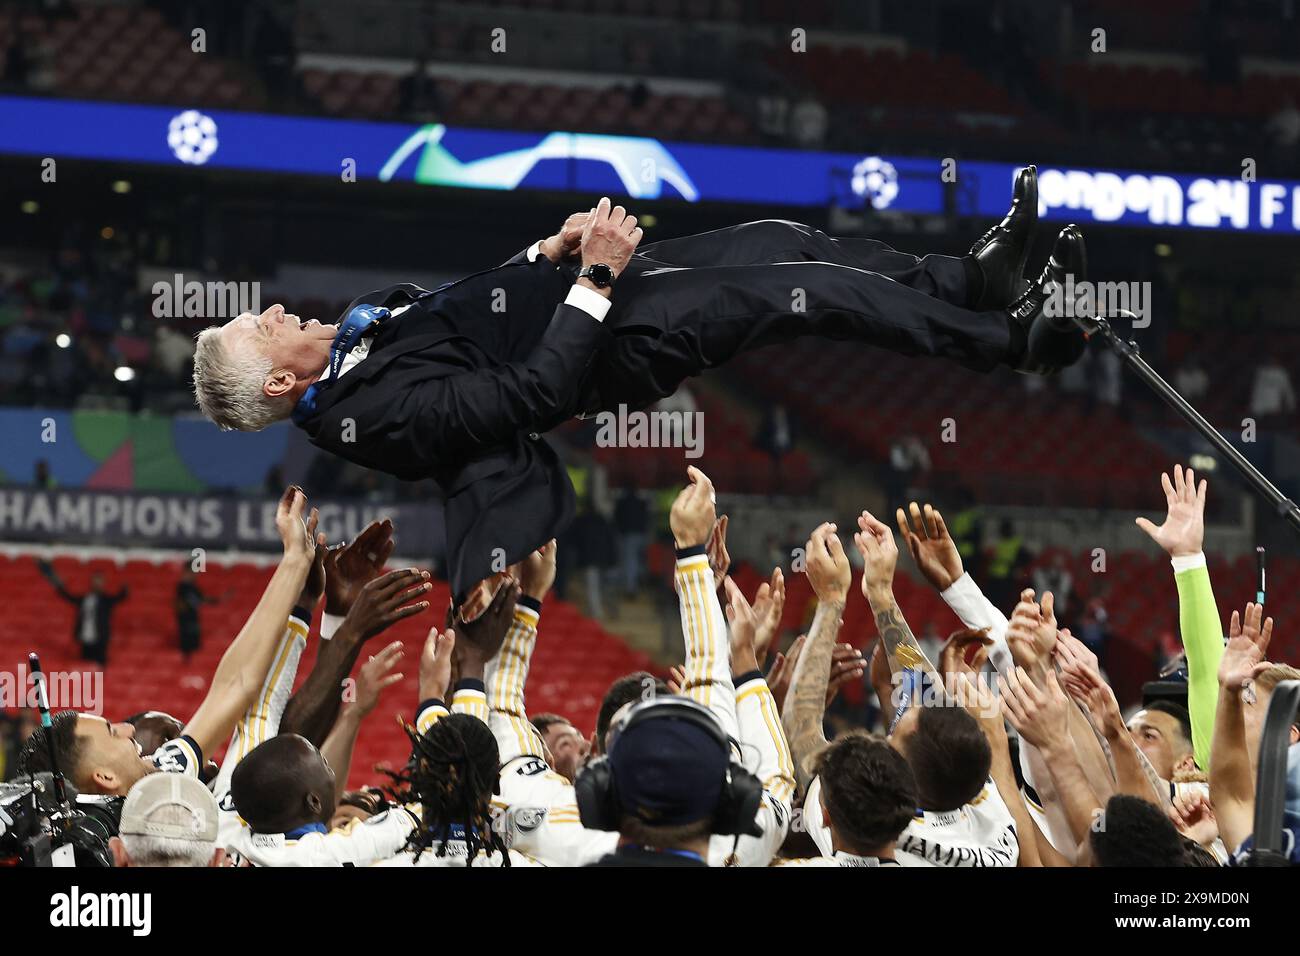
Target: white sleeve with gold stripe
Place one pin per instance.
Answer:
(505, 677)
(765, 754)
(708, 649)
(537, 814)
(261, 721)
(470, 697)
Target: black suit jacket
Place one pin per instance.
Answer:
(441, 396)
(103, 612)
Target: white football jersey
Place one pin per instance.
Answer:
(981, 833)
(358, 843)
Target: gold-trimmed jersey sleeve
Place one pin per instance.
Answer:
(470, 697)
(708, 648)
(261, 721)
(505, 678)
(536, 812)
(766, 754)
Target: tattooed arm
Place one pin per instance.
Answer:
(879, 558)
(805, 705)
(829, 574)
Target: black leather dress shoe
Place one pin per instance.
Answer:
(1054, 341)
(1001, 252)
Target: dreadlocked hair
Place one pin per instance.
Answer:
(452, 774)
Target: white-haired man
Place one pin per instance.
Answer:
(458, 384)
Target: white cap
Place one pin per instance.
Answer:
(170, 805)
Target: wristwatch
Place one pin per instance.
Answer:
(599, 275)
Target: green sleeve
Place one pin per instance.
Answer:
(1202, 633)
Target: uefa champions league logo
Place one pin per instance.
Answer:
(192, 137)
(876, 181)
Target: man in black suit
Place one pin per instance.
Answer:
(458, 384)
(93, 628)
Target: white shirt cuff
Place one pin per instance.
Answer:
(534, 251)
(329, 624)
(593, 303)
(1186, 562)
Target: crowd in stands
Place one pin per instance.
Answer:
(1032, 73)
(1003, 745)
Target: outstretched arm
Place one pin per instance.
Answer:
(1182, 536)
(1041, 715)
(1081, 677)
(829, 574)
(763, 743)
(971, 691)
(375, 675)
(246, 662)
(381, 603)
(1232, 783)
(708, 651)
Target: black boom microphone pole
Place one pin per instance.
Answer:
(1127, 350)
(43, 705)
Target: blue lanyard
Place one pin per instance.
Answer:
(911, 683)
(299, 832)
(688, 854)
(357, 323)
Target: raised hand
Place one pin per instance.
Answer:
(879, 556)
(376, 674)
(847, 664)
(1248, 638)
(1085, 685)
(536, 573)
(965, 652)
(609, 237)
(1184, 526)
(1040, 715)
(719, 559)
(1193, 815)
(297, 536)
(569, 238)
(349, 567)
(1031, 632)
(769, 604)
(931, 546)
(676, 679)
(742, 624)
(781, 673)
(380, 603)
(693, 513)
(827, 566)
(435, 664)
(973, 692)
(314, 585)
(477, 641)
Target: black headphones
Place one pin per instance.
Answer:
(742, 792)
